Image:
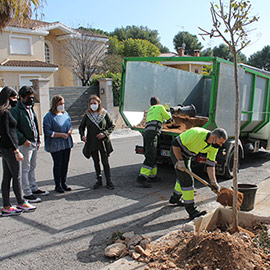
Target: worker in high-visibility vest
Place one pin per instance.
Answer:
(154, 120)
(190, 143)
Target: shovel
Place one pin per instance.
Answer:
(224, 196)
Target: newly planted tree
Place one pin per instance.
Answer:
(231, 22)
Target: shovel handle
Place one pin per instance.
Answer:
(201, 180)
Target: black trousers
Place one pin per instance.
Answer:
(105, 162)
(60, 166)
(150, 140)
(11, 169)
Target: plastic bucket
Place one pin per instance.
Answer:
(189, 110)
(249, 192)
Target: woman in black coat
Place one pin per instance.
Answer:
(99, 126)
(10, 155)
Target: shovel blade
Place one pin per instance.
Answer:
(225, 197)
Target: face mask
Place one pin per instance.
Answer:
(215, 145)
(94, 107)
(29, 102)
(60, 108)
(13, 103)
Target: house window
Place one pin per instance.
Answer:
(20, 44)
(47, 53)
(26, 79)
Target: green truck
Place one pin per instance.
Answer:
(177, 80)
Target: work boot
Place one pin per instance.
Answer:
(193, 211)
(196, 214)
(176, 199)
(98, 184)
(153, 179)
(143, 181)
(109, 184)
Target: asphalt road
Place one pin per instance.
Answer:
(70, 230)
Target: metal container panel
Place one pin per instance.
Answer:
(172, 86)
(225, 103)
(258, 111)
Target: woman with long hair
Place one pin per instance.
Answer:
(99, 126)
(58, 141)
(11, 156)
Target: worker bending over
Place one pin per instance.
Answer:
(184, 146)
(154, 119)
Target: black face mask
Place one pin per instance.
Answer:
(29, 102)
(13, 103)
(215, 145)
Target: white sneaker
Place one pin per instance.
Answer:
(26, 207)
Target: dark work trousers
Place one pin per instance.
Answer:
(150, 140)
(11, 169)
(60, 166)
(105, 163)
(185, 184)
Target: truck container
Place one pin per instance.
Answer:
(178, 81)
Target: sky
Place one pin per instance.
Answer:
(167, 17)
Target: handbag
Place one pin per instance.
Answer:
(85, 151)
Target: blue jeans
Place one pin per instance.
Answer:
(60, 166)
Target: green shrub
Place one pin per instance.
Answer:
(116, 83)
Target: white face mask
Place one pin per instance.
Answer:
(60, 108)
(94, 107)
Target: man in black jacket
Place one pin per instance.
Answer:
(29, 141)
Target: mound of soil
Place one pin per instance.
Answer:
(206, 251)
(179, 124)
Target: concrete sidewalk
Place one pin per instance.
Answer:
(117, 133)
(262, 201)
(261, 208)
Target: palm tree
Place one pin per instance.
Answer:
(19, 10)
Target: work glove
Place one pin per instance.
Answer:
(180, 165)
(215, 187)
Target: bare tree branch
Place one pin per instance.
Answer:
(85, 54)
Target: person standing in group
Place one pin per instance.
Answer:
(97, 141)
(190, 143)
(28, 136)
(154, 120)
(58, 141)
(10, 155)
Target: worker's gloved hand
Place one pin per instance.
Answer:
(215, 187)
(180, 165)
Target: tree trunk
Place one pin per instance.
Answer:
(236, 152)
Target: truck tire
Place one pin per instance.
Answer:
(228, 174)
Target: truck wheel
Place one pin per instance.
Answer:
(229, 169)
(228, 174)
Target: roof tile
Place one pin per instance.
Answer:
(24, 63)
